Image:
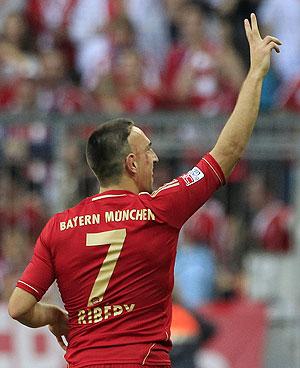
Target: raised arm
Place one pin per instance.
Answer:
(237, 131)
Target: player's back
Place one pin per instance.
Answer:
(114, 266)
(113, 257)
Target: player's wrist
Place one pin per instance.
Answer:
(256, 74)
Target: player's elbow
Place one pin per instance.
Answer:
(21, 304)
(13, 310)
(16, 308)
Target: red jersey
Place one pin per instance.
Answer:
(272, 227)
(209, 93)
(113, 258)
(207, 227)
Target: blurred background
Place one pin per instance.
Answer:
(175, 66)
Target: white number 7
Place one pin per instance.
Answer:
(115, 239)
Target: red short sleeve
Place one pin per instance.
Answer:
(176, 201)
(39, 274)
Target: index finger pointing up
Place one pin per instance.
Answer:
(254, 25)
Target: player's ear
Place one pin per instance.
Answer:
(131, 164)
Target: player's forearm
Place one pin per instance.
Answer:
(237, 131)
(39, 315)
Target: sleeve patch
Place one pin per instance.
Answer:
(193, 176)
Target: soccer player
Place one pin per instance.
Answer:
(113, 254)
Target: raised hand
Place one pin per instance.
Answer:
(260, 48)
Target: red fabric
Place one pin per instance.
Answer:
(123, 366)
(241, 332)
(208, 227)
(35, 14)
(33, 219)
(208, 92)
(52, 35)
(290, 97)
(29, 218)
(7, 95)
(271, 226)
(139, 102)
(40, 344)
(132, 322)
(240, 172)
(115, 8)
(6, 343)
(65, 99)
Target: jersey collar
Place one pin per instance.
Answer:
(112, 192)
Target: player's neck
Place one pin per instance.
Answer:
(124, 184)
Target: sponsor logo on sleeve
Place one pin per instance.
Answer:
(193, 176)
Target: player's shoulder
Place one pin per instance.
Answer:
(165, 189)
(70, 210)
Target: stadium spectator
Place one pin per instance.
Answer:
(269, 239)
(23, 210)
(289, 95)
(17, 58)
(189, 331)
(151, 23)
(126, 89)
(148, 18)
(229, 17)
(67, 174)
(8, 7)
(271, 217)
(173, 10)
(232, 13)
(56, 92)
(24, 95)
(283, 19)
(17, 248)
(202, 244)
(49, 21)
(120, 35)
(135, 263)
(199, 73)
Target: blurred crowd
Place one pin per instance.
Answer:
(137, 56)
(134, 56)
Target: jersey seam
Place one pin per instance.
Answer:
(149, 351)
(108, 196)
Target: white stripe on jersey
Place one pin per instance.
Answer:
(149, 351)
(22, 282)
(162, 187)
(108, 196)
(172, 184)
(213, 170)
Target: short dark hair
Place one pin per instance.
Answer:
(106, 149)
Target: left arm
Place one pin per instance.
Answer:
(24, 305)
(24, 308)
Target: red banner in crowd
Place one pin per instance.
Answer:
(241, 333)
